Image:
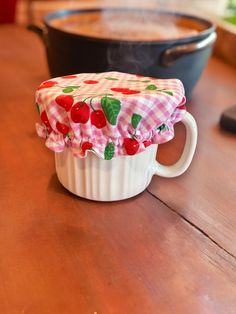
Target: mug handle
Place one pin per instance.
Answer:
(190, 145)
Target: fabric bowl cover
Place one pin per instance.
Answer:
(111, 114)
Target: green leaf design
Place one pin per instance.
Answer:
(151, 87)
(162, 127)
(109, 151)
(135, 120)
(142, 81)
(67, 90)
(74, 87)
(111, 78)
(38, 107)
(111, 108)
(168, 92)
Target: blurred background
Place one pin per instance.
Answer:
(24, 11)
(221, 12)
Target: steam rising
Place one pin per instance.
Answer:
(135, 55)
(130, 58)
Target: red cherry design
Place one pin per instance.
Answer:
(90, 82)
(44, 118)
(147, 143)
(69, 76)
(131, 146)
(130, 92)
(119, 89)
(45, 121)
(98, 119)
(47, 84)
(125, 91)
(183, 107)
(86, 145)
(65, 101)
(80, 112)
(49, 128)
(62, 128)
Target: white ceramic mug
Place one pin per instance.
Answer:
(122, 177)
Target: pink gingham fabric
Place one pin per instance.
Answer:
(111, 113)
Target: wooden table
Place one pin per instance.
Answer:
(169, 250)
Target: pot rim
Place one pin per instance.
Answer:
(210, 27)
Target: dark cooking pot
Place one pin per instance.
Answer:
(185, 58)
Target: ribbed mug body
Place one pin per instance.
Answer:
(105, 180)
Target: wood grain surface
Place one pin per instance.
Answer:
(206, 194)
(170, 252)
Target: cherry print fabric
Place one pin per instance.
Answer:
(111, 114)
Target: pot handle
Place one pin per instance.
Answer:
(37, 30)
(170, 55)
(189, 149)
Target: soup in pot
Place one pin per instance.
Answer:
(127, 25)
